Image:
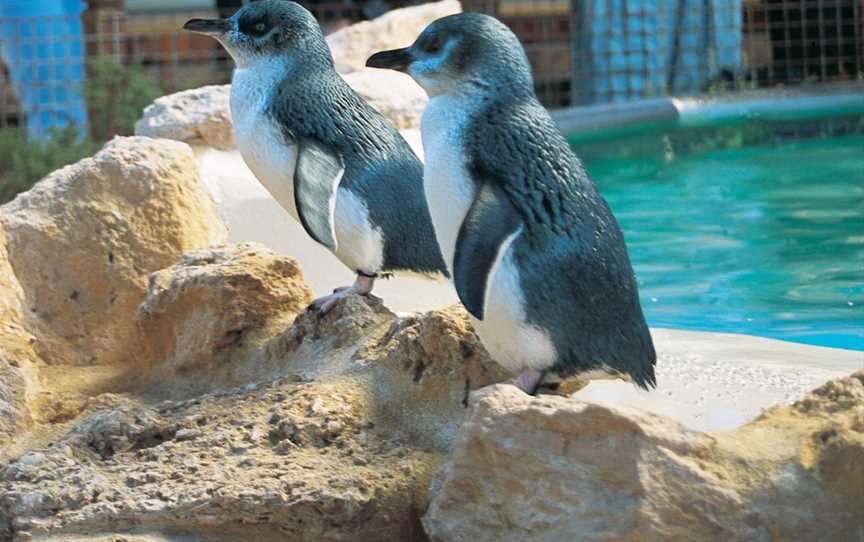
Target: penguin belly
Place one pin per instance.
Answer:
(272, 159)
(258, 136)
(509, 338)
(359, 242)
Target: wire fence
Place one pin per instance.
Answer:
(45, 62)
(582, 51)
(598, 51)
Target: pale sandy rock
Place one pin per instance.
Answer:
(198, 312)
(552, 468)
(418, 369)
(16, 352)
(424, 368)
(293, 461)
(11, 296)
(352, 45)
(395, 95)
(335, 427)
(83, 241)
(15, 363)
(200, 115)
(348, 326)
(310, 447)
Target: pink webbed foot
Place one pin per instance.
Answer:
(529, 381)
(362, 286)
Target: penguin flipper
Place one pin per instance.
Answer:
(316, 181)
(491, 224)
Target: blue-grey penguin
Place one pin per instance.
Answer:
(536, 256)
(325, 155)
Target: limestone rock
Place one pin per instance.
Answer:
(200, 115)
(11, 296)
(352, 45)
(424, 367)
(312, 446)
(551, 468)
(292, 460)
(14, 414)
(348, 325)
(16, 353)
(84, 239)
(199, 311)
(395, 95)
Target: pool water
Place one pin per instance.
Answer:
(765, 240)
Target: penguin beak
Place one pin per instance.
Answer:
(397, 59)
(210, 27)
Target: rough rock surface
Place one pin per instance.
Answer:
(424, 368)
(395, 95)
(292, 460)
(199, 115)
(84, 239)
(294, 436)
(199, 312)
(16, 352)
(552, 468)
(352, 45)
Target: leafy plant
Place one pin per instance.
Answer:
(25, 162)
(115, 96)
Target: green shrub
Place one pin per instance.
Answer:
(24, 162)
(115, 96)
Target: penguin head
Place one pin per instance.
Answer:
(463, 52)
(265, 29)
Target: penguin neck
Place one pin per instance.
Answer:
(266, 72)
(307, 55)
(252, 83)
(469, 97)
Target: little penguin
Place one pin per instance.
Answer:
(535, 254)
(331, 160)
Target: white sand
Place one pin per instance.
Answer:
(718, 381)
(707, 381)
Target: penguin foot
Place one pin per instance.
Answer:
(362, 286)
(323, 305)
(529, 381)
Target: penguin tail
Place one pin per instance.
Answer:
(644, 375)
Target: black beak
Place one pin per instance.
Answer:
(397, 59)
(211, 27)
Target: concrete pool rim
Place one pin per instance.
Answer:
(801, 103)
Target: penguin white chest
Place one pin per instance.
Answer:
(272, 159)
(447, 185)
(507, 335)
(259, 139)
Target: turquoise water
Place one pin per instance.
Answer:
(764, 239)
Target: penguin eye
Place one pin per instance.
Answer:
(259, 28)
(433, 45)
